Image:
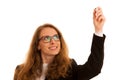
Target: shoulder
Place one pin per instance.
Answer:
(73, 63)
(19, 68)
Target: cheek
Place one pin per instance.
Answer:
(43, 47)
(40, 46)
(59, 46)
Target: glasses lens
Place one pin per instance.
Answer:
(56, 37)
(47, 39)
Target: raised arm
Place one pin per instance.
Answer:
(95, 61)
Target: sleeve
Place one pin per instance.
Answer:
(95, 61)
(100, 34)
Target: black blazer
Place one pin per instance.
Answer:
(93, 65)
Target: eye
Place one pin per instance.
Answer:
(47, 38)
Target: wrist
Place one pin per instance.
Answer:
(99, 33)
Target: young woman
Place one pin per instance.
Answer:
(48, 55)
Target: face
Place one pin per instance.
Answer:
(49, 43)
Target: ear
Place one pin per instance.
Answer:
(38, 47)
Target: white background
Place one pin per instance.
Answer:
(20, 18)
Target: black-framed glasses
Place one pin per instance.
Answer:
(47, 39)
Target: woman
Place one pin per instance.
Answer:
(48, 55)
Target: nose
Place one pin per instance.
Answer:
(52, 41)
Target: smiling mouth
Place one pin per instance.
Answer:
(53, 47)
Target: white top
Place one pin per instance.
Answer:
(42, 77)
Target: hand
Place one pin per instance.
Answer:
(98, 19)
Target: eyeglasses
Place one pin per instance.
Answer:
(47, 39)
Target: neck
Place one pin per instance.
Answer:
(47, 59)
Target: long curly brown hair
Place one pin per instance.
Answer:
(32, 67)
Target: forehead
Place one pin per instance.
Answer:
(48, 31)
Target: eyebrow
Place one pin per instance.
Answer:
(47, 35)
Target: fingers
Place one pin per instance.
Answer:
(98, 14)
(101, 18)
